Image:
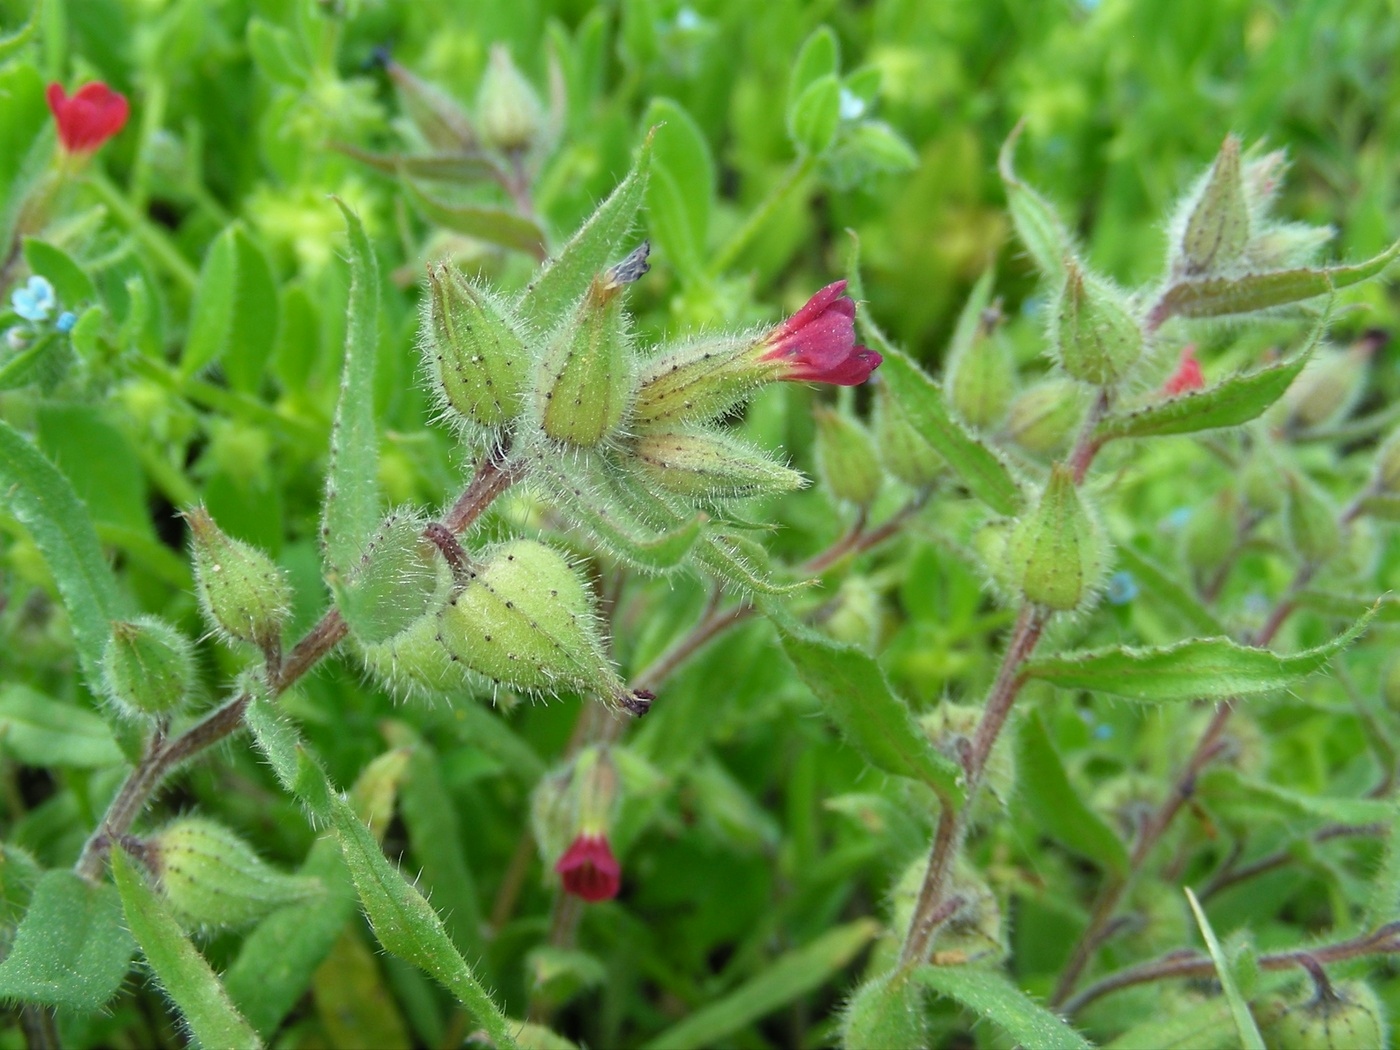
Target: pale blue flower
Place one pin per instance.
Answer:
(1122, 588)
(66, 321)
(852, 105)
(35, 300)
(687, 19)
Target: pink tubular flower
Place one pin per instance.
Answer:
(89, 118)
(589, 869)
(818, 343)
(1187, 375)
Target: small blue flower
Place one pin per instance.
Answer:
(35, 300)
(66, 321)
(1122, 588)
(687, 19)
(1177, 519)
(852, 105)
(1102, 731)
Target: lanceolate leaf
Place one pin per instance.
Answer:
(352, 489)
(184, 974)
(853, 689)
(1245, 1027)
(1055, 804)
(1198, 669)
(1223, 296)
(981, 470)
(1039, 227)
(42, 500)
(1236, 400)
(993, 998)
(485, 222)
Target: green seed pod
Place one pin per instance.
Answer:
(212, 878)
(980, 379)
(697, 381)
(508, 110)
(886, 1011)
(527, 621)
(243, 593)
(474, 353)
(707, 465)
(950, 728)
(1056, 552)
(148, 666)
(1210, 534)
(414, 663)
(1259, 480)
(903, 450)
(1311, 521)
(1344, 1016)
(1095, 335)
(1043, 418)
(584, 381)
(1217, 225)
(846, 459)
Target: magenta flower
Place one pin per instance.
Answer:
(1187, 376)
(89, 118)
(818, 343)
(589, 869)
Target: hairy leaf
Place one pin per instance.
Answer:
(993, 998)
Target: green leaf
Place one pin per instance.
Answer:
(1039, 227)
(70, 949)
(234, 316)
(183, 973)
(1350, 606)
(353, 1004)
(43, 501)
(1244, 1021)
(970, 318)
(1205, 1025)
(1175, 596)
(980, 469)
(596, 245)
(855, 693)
(1056, 806)
(12, 42)
(816, 114)
(680, 194)
(425, 167)
(1197, 669)
(780, 982)
(1228, 790)
(1225, 296)
(486, 222)
(1237, 400)
(38, 730)
(819, 56)
(71, 284)
(277, 53)
(43, 364)
(993, 998)
(352, 488)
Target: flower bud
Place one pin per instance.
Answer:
(1311, 521)
(527, 621)
(1329, 387)
(148, 666)
(902, 449)
(1344, 1016)
(1056, 551)
(1043, 418)
(950, 727)
(584, 381)
(981, 375)
(846, 458)
(887, 1011)
(507, 108)
(211, 877)
(1388, 465)
(1261, 479)
(1097, 338)
(704, 464)
(697, 381)
(589, 870)
(475, 355)
(1217, 226)
(243, 593)
(1210, 534)
(974, 933)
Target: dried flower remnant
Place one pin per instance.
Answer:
(89, 117)
(589, 869)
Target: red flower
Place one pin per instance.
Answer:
(589, 869)
(93, 115)
(818, 343)
(1187, 375)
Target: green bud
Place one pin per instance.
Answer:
(243, 593)
(975, 932)
(1261, 479)
(507, 108)
(475, 355)
(887, 1011)
(584, 381)
(1096, 336)
(704, 464)
(855, 618)
(903, 450)
(981, 377)
(1056, 552)
(1311, 521)
(1388, 465)
(1344, 1016)
(401, 578)
(527, 621)
(989, 544)
(950, 728)
(697, 381)
(414, 663)
(1210, 534)
(212, 878)
(1329, 387)
(846, 459)
(1217, 226)
(1043, 418)
(148, 666)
